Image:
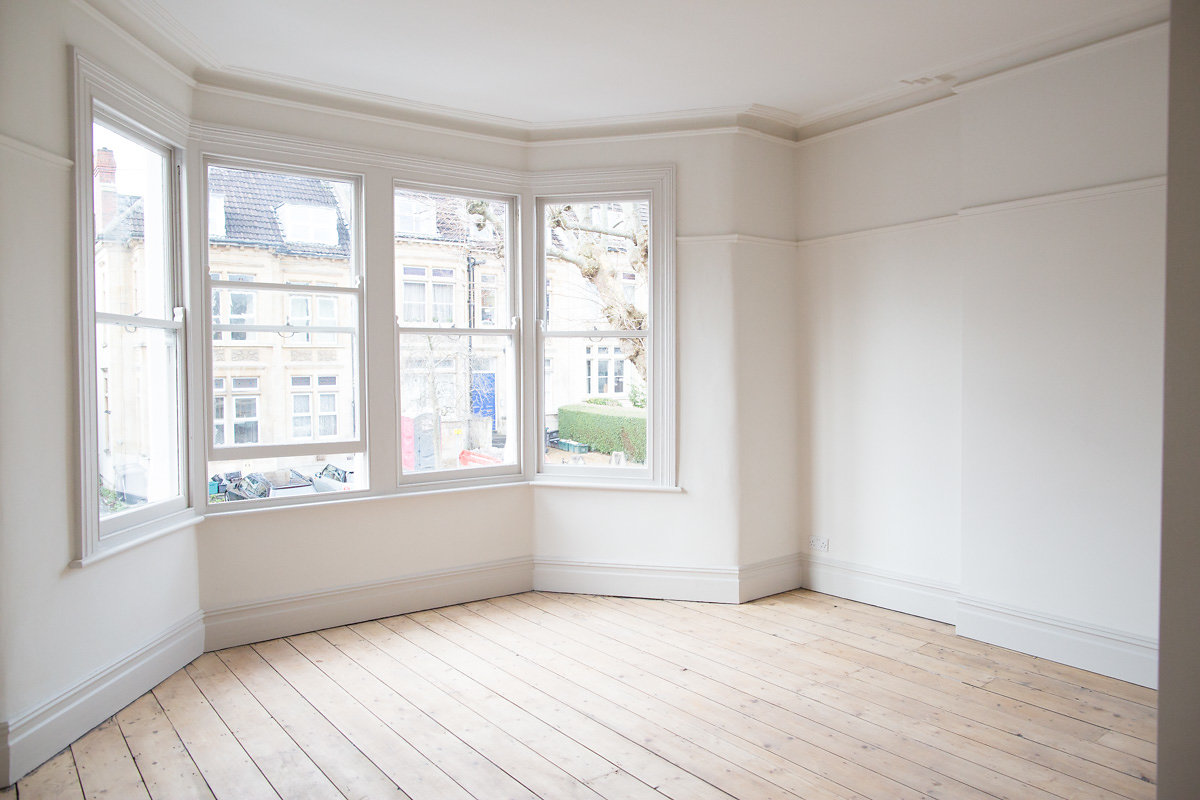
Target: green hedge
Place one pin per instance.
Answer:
(605, 428)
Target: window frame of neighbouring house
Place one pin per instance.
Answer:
(104, 100)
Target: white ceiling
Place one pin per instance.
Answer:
(544, 63)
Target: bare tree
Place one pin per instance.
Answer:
(601, 260)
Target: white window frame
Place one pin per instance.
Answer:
(657, 185)
(508, 325)
(101, 96)
(239, 158)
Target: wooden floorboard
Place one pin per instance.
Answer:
(557, 696)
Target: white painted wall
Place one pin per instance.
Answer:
(1062, 390)
(63, 628)
(882, 342)
(985, 385)
(879, 355)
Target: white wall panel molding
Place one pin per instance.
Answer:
(701, 584)
(33, 151)
(771, 576)
(242, 623)
(1073, 196)
(1119, 654)
(736, 238)
(39, 733)
(883, 230)
(905, 593)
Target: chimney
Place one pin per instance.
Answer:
(106, 186)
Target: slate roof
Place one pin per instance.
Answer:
(252, 200)
(454, 223)
(128, 223)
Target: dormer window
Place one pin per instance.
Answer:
(309, 224)
(216, 216)
(415, 215)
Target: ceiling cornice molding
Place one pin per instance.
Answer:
(135, 43)
(173, 31)
(447, 127)
(273, 145)
(757, 120)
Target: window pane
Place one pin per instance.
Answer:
(597, 266)
(302, 427)
(598, 421)
(414, 302)
(457, 402)
(328, 425)
(443, 303)
(262, 478)
(138, 425)
(441, 268)
(303, 222)
(245, 432)
(132, 221)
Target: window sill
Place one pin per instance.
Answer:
(141, 534)
(422, 490)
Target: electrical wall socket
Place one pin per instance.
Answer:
(818, 544)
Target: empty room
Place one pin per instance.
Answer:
(639, 400)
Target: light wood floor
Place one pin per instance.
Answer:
(569, 696)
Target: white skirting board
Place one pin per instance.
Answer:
(701, 584)
(283, 616)
(775, 575)
(922, 598)
(1117, 654)
(39, 733)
